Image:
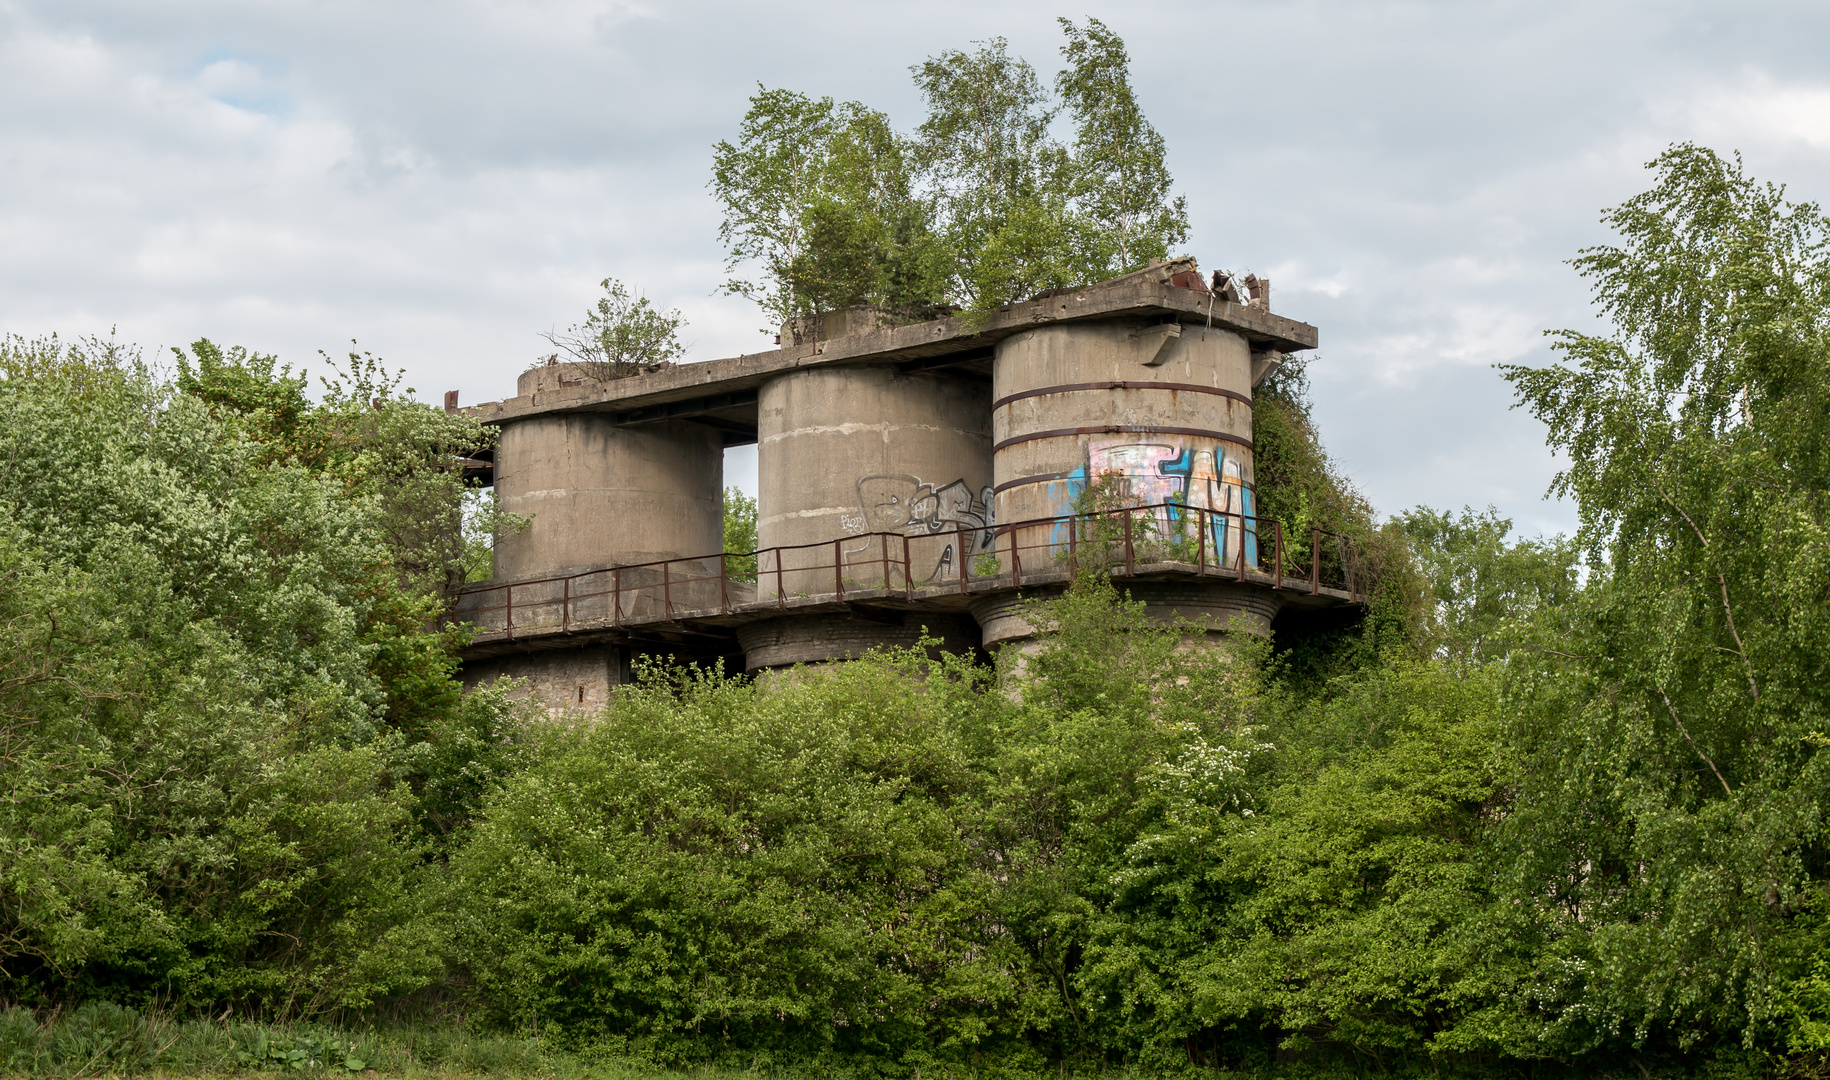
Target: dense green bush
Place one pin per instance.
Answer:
(867, 859)
(1546, 807)
(778, 866)
(213, 682)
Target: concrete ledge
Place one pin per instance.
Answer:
(1208, 603)
(713, 622)
(899, 344)
(808, 639)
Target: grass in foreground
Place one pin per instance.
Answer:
(102, 1040)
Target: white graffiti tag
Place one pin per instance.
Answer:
(916, 508)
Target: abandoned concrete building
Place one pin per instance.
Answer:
(910, 477)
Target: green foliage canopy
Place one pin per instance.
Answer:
(981, 206)
(1669, 724)
(622, 335)
(218, 678)
(1519, 815)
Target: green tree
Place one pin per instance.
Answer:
(1485, 588)
(370, 438)
(1298, 484)
(1302, 489)
(1132, 745)
(203, 798)
(740, 534)
(982, 207)
(1670, 826)
(818, 197)
(767, 181)
(1121, 181)
(231, 735)
(1355, 908)
(868, 240)
(623, 335)
(730, 867)
(999, 181)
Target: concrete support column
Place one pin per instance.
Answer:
(1211, 607)
(845, 453)
(1153, 413)
(599, 494)
(1156, 412)
(814, 639)
(569, 682)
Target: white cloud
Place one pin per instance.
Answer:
(1753, 107)
(442, 183)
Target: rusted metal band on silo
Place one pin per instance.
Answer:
(1039, 478)
(1070, 388)
(1123, 429)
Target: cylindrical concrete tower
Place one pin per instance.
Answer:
(847, 452)
(598, 494)
(1146, 413)
(595, 495)
(844, 453)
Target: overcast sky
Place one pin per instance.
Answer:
(441, 181)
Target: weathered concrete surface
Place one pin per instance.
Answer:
(598, 494)
(849, 451)
(551, 378)
(1176, 429)
(576, 680)
(1215, 607)
(820, 628)
(931, 432)
(1138, 296)
(818, 638)
(846, 452)
(539, 625)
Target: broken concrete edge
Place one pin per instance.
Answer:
(893, 344)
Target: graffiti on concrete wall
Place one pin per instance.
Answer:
(915, 508)
(1145, 472)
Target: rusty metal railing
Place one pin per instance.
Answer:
(1158, 538)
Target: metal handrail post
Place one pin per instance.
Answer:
(884, 542)
(838, 571)
(965, 566)
(724, 583)
(1203, 523)
(1130, 564)
(908, 576)
(667, 590)
(616, 597)
(781, 593)
(1277, 560)
(509, 617)
(565, 607)
(1241, 574)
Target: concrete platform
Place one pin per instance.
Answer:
(546, 624)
